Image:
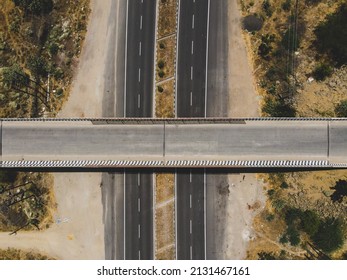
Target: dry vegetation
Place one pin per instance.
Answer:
(26, 201)
(15, 254)
(36, 42)
(164, 108)
(295, 91)
(165, 208)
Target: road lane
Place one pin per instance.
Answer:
(138, 103)
(191, 102)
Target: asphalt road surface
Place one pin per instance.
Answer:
(242, 141)
(191, 102)
(138, 103)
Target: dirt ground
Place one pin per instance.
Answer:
(246, 198)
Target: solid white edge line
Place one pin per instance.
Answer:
(125, 59)
(155, 57)
(177, 40)
(153, 213)
(208, 30)
(124, 214)
(175, 222)
(205, 227)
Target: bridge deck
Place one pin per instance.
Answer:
(215, 143)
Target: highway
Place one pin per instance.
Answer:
(138, 199)
(191, 98)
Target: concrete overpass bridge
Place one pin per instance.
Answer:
(96, 144)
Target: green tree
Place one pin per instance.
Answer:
(309, 222)
(332, 36)
(37, 66)
(329, 236)
(36, 7)
(14, 77)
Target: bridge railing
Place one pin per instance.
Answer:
(100, 121)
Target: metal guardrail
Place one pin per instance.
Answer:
(170, 164)
(165, 120)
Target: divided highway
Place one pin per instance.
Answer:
(191, 95)
(138, 200)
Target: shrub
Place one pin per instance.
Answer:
(266, 256)
(162, 45)
(161, 73)
(278, 108)
(286, 5)
(161, 64)
(322, 71)
(160, 89)
(53, 49)
(267, 8)
(340, 191)
(341, 109)
(252, 23)
(270, 192)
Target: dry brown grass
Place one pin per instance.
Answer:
(165, 100)
(164, 216)
(15, 254)
(167, 17)
(165, 230)
(164, 108)
(164, 187)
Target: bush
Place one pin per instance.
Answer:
(252, 23)
(53, 49)
(267, 8)
(266, 256)
(341, 109)
(160, 89)
(286, 5)
(332, 36)
(329, 236)
(162, 45)
(161, 73)
(161, 64)
(340, 191)
(278, 108)
(270, 192)
(322, 71)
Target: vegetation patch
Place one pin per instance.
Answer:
(164, 220)
(40, 41)
(15, 254)
(26, 201)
